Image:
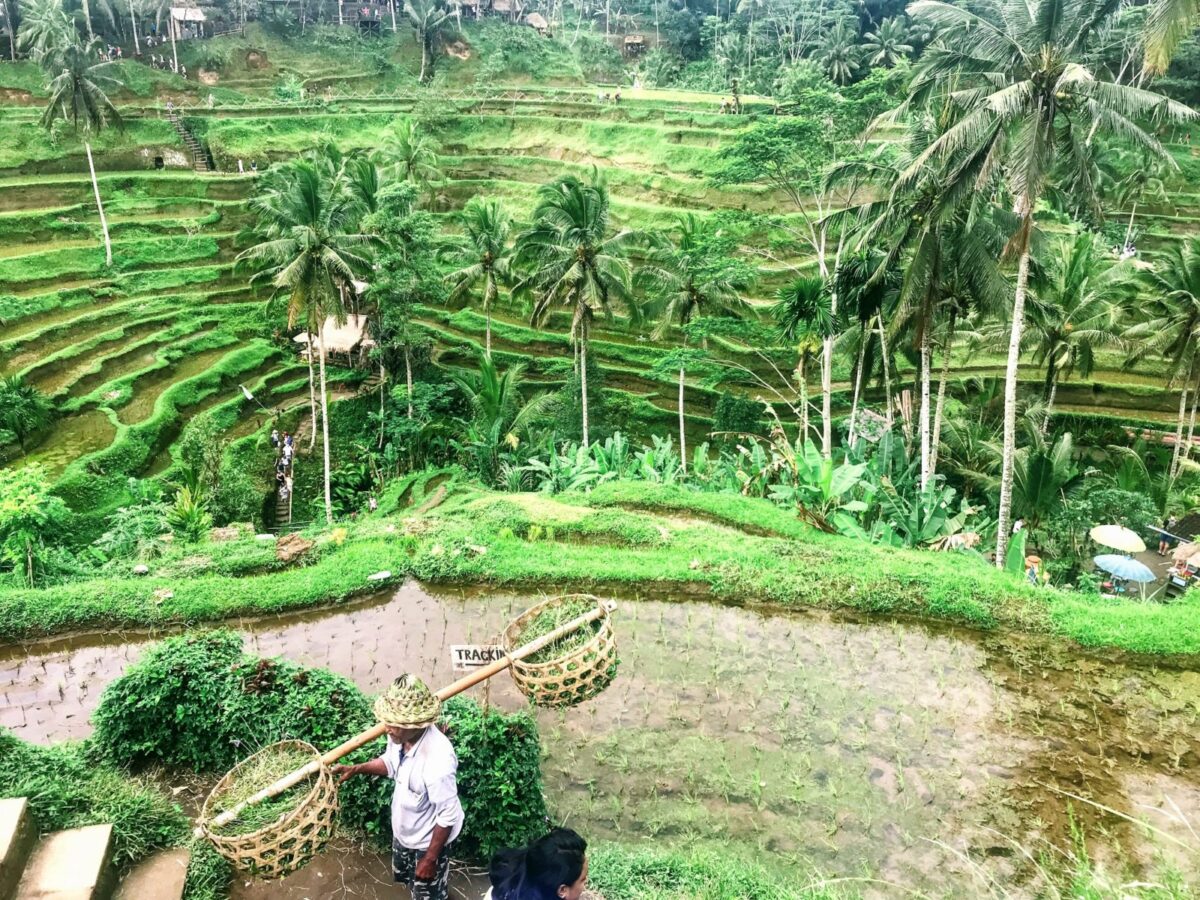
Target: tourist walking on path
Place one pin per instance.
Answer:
(426, 813)
(554, 867)
(275, 438)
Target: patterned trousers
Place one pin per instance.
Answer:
(404, 867)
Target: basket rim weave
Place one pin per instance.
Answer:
(275, 824)
(512, 631)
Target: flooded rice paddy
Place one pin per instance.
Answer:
(922, 755)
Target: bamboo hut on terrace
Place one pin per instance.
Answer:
(352, 338)
(538, 22)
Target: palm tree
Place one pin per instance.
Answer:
(44, 26)
(804, 314)
(77, 93)
(499, 412)
(1077, 302)
(1172, 328)
(574, 260)
(483, 256)
(1143, 182)
(410, 154)
(1024, 106)
(839, 54)
(696, 276)
(310, 252)
(24, 410)
(429, 17)
(888, 46)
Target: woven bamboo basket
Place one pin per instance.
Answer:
(291, 840)
(579, 675)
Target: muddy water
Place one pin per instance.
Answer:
(921, 755)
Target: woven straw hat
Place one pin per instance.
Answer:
(407, 703)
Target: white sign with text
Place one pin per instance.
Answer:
(464, 657)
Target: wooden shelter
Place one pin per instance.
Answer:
(538, 22)
(635, 44)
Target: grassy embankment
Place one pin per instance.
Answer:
(738, 549)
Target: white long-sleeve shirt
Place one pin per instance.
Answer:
(426, 792)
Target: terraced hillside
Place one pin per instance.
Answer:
(132, 352)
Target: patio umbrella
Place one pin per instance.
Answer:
(1118, 537)
(1125, 568)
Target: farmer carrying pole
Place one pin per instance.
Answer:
(426, 813)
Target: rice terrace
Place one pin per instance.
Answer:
(535, 450)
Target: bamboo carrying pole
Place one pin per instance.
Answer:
(378, 731)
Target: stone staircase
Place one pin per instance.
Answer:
(77, 864)
(200, 158)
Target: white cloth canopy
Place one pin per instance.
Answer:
(187, 14)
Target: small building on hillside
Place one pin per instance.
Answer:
(187, 22)
(635, 45)
(538, 22)
(470, 8)
(510, 9)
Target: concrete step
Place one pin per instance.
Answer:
(161, 877)
(17, 836)
(70, 865)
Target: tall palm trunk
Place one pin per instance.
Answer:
(174, 52)
(392, 10)
(137, 47)
(939, 407)
(341, 18)
(1050, 405)
(858, 375)
(1010, 391)
(487, 345)
(583, 385)
(802, 382)
(1129, 228)
(408, 379)
(87, 18)
(382, 382)
(887, 372)
(1183, 395)
(682, 432)
(99, 206)
(312, 391)
(325, 430)
(926, 362)
(9, 6)
(827, 398)
(425, 54)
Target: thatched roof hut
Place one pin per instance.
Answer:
(537, 21)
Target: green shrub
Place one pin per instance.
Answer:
(208, 874)
(198, 702)
(499, 777)
(68, 790)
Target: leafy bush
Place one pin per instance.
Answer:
(738, 414)
(499, 777)
(68, 790)
(198, 702)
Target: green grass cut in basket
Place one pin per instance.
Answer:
(256, 773)
(555, 616)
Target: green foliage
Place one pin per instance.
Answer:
(208, 874)
(24, 410)
(499, 776)
(188, 516)
(31, 519)
(619, 873)
(67, 789)
(136, 532)
(734, 413)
